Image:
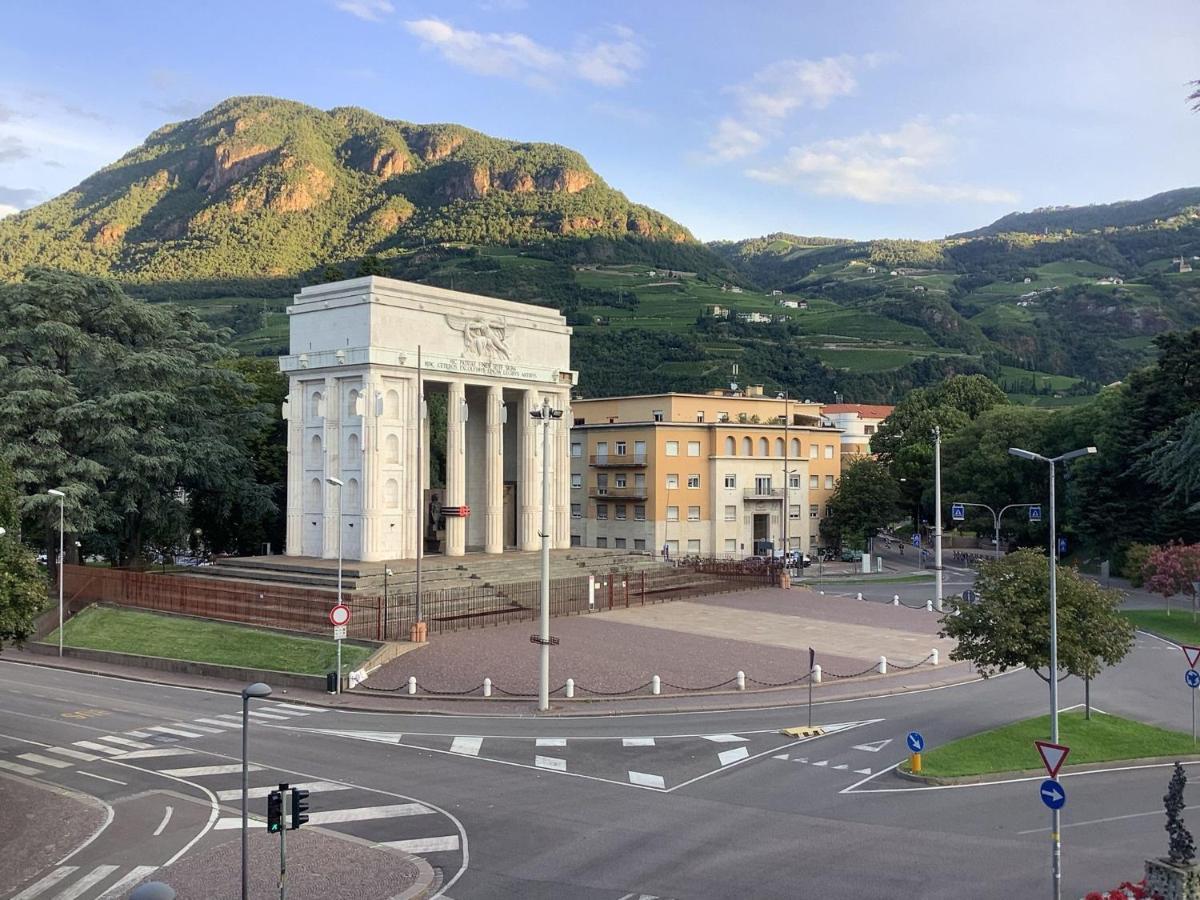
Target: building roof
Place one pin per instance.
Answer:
(864, 410)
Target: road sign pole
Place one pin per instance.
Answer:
(937, 518)
(1193, 718)
(283, 829)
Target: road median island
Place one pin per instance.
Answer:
(1104, 741)
(1176, 627)
(40, 824)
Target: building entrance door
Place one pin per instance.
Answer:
(510, 514)
(762, 531)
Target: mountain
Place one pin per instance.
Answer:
(1184, 202)
(259, 186)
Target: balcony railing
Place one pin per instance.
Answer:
(618, 460)
(764, 494)
(616, 493)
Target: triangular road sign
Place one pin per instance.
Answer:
(1192, 654)
(1052, 755)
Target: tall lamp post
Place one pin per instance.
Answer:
(1056, 857)
(937, 517)
(61, 501)
(545, 414)
(339, 484)
(259, 691)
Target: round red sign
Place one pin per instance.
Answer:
(340, 614)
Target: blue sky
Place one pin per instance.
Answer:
(856, 119)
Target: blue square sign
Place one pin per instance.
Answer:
(1035, 514)
(958, 512)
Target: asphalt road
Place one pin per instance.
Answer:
(683, 805)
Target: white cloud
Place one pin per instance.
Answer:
(880, 167)
(781, 88)
(607, 63)
(733, 140)
(367, 10)
(6, 210)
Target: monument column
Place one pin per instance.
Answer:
(295, 477)
(529, 480)
(494, 471)
(560, 467)
(332, 445)
(456, 467)
(369, 481)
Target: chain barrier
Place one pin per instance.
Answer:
(710, 687)
(775, 684)
(614, 693)
(836, 677)
(891, 665)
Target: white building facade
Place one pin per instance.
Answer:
(355, 403)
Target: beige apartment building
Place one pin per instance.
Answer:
(701, 473)
(858, 423)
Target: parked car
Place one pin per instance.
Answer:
(851, 555)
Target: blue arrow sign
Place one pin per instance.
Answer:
(916, 743)
(969, 596)
(1053, 794)
(916, 540)
(958, 512)
(1062, 545)
(1035, 514)
(1192, 678)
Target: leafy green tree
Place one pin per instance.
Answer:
(1009, 625)
(370, 265)
(22, 582)
(331, 273)
(122, 405)
(866, 499)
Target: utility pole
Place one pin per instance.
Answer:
(787, 479)
(937, 517)
(420, 479)
(545, 414)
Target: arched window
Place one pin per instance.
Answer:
(391, 405)
(353, 449)
(352, 403)
(747, 447)
(353, 498)
(795, 448)
(764, 447)
(316, 405)
(391, 452)
(730, 446)
(391, 493)
(779, 446)
(315, 450)
(314, 495)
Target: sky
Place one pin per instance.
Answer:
(913, 118)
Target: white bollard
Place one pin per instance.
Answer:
(822, 593)
(487, 687)
(933, 656)
(655, 685)
(895, 599)
(591, 592)
(570, 688)
(412, 684)
(816, 673)
(928, 606)
(883, 665)
(741, 680)
(859, 597)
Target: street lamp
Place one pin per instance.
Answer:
(545, 414)
(259, 691)
(996, 516)
(1056, 858)
(61, 500)
(339, 484)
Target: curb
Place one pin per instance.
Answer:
(1075, 768)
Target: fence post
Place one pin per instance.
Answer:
(591, 592)
(643, 587)
(883, 665)
(379, 618)
(412, 684)
(570, 688)
(625, 588)
(610, 590)
(928, 606)
(741, 680)
(895, 599)
(816, 673)
(487, 687)
(933, 655)
(655, 685)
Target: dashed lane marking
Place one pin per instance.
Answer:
(304, 709)
(551, 742)
(176, 732)
(334, 816)
(139, 734)
(203, 729)
(823, 762)
(162, 826)
(125, 742)
(198, 771)
(103, 778)
(637, 742)
(287, 711)
(728, 757)
(550, 762)
(647, 780)
(257, 793)
(424, 845)
(74, 754)
(18, 768)
(222, 724)
(724, 738)
(468, 746)
(262, 715)
(44, 760)
(99, 748)
(155, 753)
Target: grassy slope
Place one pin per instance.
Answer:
(147, 634)
(1176, 627)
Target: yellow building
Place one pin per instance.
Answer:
(701, 473)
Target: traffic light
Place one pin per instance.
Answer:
(274, 812)
(299, 808)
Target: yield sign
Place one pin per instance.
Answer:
(1052, 755)
(1193, 655)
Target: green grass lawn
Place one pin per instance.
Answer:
(147, 634)
(1176, 627)
(1104, 738)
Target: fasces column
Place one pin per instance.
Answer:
(529, 480)
(494, 471)
(560, 472)
(332, 442)
(456, 467)
(295, 468)
(369, 484)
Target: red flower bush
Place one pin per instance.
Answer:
(1128, 890)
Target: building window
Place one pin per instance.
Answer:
(639, 543)
(694, 482)
(578, 422)
(602, 483)
(620, 511)
(639, 480)
(814, 452)
(673, 547)
(764, 447)
(693, 514)
(639, 512)
(828, 510)
(601, 451)
(762, 484)
(829, 451)
(576, 450)
(829, 482)
(602, 543)
(316, 406)
(601, 510)
(730, 481)
(315, 500)
(731, 446)
(731, 512)
(391, 493)
(639, 450)
(722, 416)
(814, 511)
(619, 543)
(812, 540)
(672, 513)
(315, 450)
(391, 449)
(693, 448)
(576, 510)
(672, 482)
(779, 447)
(868, 429)
(391, 405)
(814, 482)
(700, 416)
(576, 540)
(576, 480)
(794, 482)
(620, 479)
(731, 545)
(794, 511)
(619, 448)
(658, 415)
(693, 546)
(795, 447)
(672, 448)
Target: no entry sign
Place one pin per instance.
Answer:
(339, 615)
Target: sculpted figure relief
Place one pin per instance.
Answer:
(482, 339)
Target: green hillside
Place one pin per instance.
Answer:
(1167, 205)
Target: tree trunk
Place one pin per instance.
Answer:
(1087, 697)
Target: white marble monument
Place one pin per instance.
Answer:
(353, 410)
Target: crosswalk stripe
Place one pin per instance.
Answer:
(229, 823)
(303, 709)
(287, 711)
(193, 771)
(469, 746)
(228, 716)
(18, 768)
(101, 748)
(202, 729)
(259, 792)
(637, 742)
(136, 874)
(46, 883)
(139, 734)
(731, 756)
(124, 742)
(44, 760)
(550, 762)
(155, 753)
(724, 738)
(219, 722)
(263, 715)
(178, 732)
(74, 754)
(647, 780)
(87, 882)
(358, 814)
(424, 845)
(551, 742)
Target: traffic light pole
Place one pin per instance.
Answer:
(283, 828)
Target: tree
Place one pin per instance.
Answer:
(1009, 625)
(866, 499)
(22, 584)
(370, 265)
(1174, 569)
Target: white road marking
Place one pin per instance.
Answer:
(125, 742)
(257, 793)
(74, 754)
(136, 874)
(155, 753)
(303, 709)
(862, 771)
(841, 766)
(801, 759)
(101, 777)
(823, 762)
(197, 771)
(1155, 812)
(165, 819)
(646, 780)
(46, 883)
(873, 746)
(220, 723)
(139, 734)
(101, 748)
(18, 768)
(287, 711)
(780, 756)
(551, 742)
(87, 882)
(731, 756)
(177, 732)
(44, 760)
(263, 715)
(358, 814)
(230, 716)
(229, 823)
(201, 728)
(724, 738)
(637, 742)
(424, 845)
(550, 762)
(469, 746)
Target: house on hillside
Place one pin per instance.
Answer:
(802, 304)
(918, 288)
(776, 293)
(755, 318)
(734, 289)
(894, 272)
(870, 270)
(1028, 280)
(1111, 279)
(790, 304)
(716, 311)
(1182, 264)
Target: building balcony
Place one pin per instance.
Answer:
(616, 493)
(769, 494)
(618, 460)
